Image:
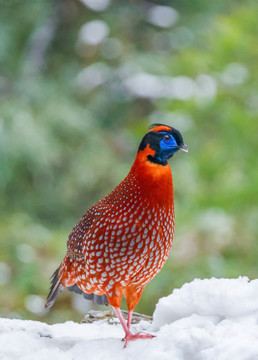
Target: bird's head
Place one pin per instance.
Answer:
(164, 141)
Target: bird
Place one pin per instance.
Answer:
(123, 241)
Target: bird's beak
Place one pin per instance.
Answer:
(183, 147)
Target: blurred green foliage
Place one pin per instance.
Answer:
(80, 82)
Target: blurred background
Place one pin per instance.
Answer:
(80, 83)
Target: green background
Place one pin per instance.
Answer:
(75, 99)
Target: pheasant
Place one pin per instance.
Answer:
(123, 241)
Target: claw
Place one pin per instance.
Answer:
(131, 337)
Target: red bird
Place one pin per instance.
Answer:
(123, 241)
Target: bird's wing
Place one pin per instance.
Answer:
(75, 251)
(77, 240)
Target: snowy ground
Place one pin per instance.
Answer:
(215, 319)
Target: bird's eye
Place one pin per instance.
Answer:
(166, 137)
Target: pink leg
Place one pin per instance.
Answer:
(128, 335)
(121, 319)
(130, 314)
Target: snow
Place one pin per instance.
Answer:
(204, 320)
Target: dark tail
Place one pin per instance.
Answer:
(56, 287)
(98, 299)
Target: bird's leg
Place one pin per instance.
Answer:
(129, 319)
(128, 335)
(140, 335)
(121, 319)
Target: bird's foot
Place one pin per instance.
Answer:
(140, 335)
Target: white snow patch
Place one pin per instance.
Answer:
(221, 298)
(204, 320)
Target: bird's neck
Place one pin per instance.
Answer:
(154, 179)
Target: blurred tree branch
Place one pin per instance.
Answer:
(40, 40)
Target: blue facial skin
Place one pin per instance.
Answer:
(168, 146)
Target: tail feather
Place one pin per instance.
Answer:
(56, 287)
(98, 299)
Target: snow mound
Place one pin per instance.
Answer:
(220, 298)
(204, 320)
